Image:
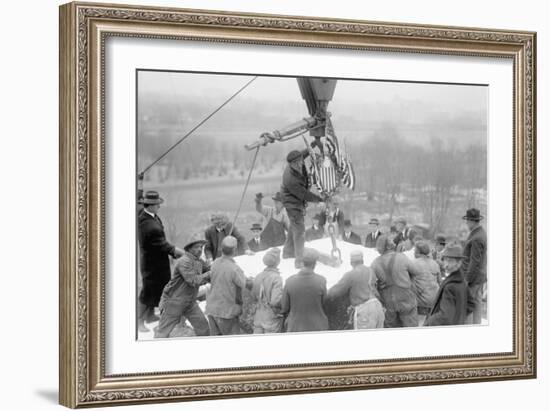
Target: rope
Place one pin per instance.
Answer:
(245, 188)
(196, 127)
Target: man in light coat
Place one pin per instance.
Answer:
(359, 285)
(224, 300)
(267, 292)
(393, 271)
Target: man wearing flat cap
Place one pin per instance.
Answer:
(179, 298)
(474, 265)
(295, 195)
(154, 258)
(224, 301)
(450, 303)
(304, 297)
(267, 292)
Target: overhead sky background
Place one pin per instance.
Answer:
(360, 108)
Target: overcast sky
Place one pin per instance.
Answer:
(446, 97)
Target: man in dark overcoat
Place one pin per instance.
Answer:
(315, 232)
(154, 258)
(451, 300)
(304, 297)
(295, 195)
(215, 234)
(474, 265)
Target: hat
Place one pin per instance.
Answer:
(194, 239)
(229, 242)
(440, 239)
(453, 251)
(310, 256)
(277, 196)
(400, 220)
(423, 247)
(293, 155)
(356, 255)
(316, 217)
(473, 214)
(152, 197)
(256, 226)
(272, 257)
(347, 223)
(374, 221)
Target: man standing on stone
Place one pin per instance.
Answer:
(295, 195)
(374, 233)
(154, 261)
(474, 264)
(224, 301)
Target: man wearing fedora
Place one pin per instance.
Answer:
(295, 195)
(450, 303)
(179, 298)
(277, 222)
(474, 265)
(374, 233)
(257, 243)
(154, 258)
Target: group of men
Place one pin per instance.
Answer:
(438, 287)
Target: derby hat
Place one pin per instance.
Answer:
(374, 221)
(152, 197)
(347, 223)
(453, 251)
(256, 226)
(194, 239)
(277, 197)
(473, 214)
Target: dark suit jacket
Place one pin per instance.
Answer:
(212, 248)
(370, 239)
(474, 264)
(303, 298)
(451, 302)
(154, 261)
(353, 238)
(257, 247)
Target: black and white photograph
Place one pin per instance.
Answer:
(271, 204)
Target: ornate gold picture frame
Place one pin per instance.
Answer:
(84, 30)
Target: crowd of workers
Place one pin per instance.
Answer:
(442, 285)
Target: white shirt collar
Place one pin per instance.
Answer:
(150, 213)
